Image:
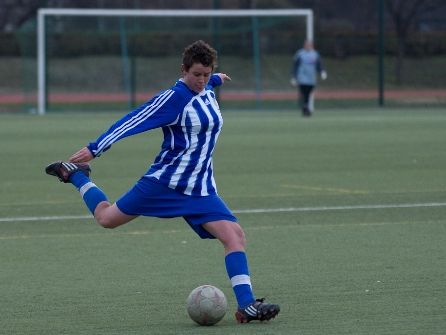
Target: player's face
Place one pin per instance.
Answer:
(197, 77)
(308, 45)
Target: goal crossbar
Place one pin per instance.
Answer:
(43, 12)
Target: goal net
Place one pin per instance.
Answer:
(96, 59)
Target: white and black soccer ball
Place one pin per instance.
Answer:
(206, 305)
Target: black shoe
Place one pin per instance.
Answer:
(63, 170)
(257, 310)
(306, 113)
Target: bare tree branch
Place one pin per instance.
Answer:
(14, 13)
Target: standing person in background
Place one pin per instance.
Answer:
(306, 62)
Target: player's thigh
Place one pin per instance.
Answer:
(110, 216)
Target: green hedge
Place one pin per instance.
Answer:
(9, 45)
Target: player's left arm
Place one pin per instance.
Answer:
(218, 79)
(320, 68)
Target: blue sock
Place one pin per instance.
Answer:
(91, 194)
(237, 268)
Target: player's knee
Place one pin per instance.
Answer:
(105, 224)
(240, 235)
(105, 216)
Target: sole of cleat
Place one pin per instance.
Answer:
(240, 318)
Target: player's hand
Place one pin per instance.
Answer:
(223, 77)
(324, 75)
(83, 155)
(293, 81)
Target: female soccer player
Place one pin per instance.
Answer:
(180, 182)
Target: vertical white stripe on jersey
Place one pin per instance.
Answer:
(210, 167)
(191, 146)
(213, 179)
(134, 121)
(204, 180)
(159, 172)
(203, 153)
(172, 140)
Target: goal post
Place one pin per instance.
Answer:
(43, 13)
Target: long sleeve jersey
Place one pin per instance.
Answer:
(191, 123)
(306, 64)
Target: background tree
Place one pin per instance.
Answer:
(15, 12)
(404, 14)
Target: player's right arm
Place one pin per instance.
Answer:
(83, 155)
(160, 111)
(294, 68)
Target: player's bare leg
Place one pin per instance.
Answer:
(109, 216)
(229, 233)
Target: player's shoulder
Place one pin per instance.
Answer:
(175, 95)
(301, 53)
(181, 91)
(298, 54)
(172, 99)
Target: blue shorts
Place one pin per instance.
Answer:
(148, 197)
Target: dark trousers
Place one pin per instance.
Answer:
(305, 91)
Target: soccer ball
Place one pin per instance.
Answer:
(206, 305)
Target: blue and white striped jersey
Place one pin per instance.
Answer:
(191, 123)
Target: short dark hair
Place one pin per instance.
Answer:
(199, 52)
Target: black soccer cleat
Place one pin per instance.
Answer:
(257, 310)
(63, 170)
(306, 112)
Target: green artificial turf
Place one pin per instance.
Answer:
(344, 215)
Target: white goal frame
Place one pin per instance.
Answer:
(44, 12)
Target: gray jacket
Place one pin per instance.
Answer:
(306, 65)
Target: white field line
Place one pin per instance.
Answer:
(335, 208)
(47, 218)
(246, 211)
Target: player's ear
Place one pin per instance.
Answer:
(183, 69)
